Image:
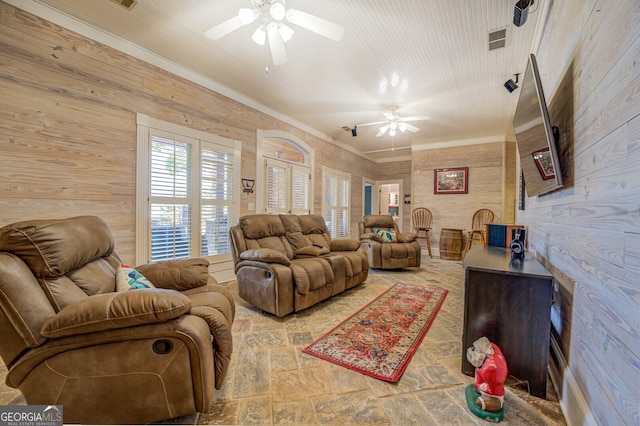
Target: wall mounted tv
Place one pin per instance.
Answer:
(535, 136)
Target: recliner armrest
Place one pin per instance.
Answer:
(406, 237)
(372, 236)
(177, 274)
(116, 310)
(265, 255)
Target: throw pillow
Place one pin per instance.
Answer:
(128, 278)
(387, 236)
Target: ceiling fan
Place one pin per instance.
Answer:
(393, 122)
(273, 14)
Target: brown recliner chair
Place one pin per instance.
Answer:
(400, 251)
(69, 338)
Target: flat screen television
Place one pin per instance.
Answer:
(535, 136)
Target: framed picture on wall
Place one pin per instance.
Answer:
(451, 181)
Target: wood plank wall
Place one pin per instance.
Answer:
(588, 234)
(488, 186)
(68, 129)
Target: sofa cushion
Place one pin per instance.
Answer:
(261, 226)
(312, 251)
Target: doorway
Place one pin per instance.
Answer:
(383, 197)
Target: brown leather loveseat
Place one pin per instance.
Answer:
(386, 246)
(132, 356)
(286, 263)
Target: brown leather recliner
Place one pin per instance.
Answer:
(402, 252)
(69, 338)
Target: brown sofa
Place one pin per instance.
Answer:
(404, 252)
(286, 263)
(132, 356)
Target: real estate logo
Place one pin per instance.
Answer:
(31, 415)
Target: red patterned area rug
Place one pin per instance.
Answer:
(380, 339)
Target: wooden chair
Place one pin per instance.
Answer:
(421, 218)
(480, 219)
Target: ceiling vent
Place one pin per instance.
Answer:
(497, 39)
(127, 4)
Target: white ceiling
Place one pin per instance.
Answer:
(419, 57)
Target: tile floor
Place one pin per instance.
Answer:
(271, 382)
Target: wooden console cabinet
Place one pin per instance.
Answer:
(509, 302)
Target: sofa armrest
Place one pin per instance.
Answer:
(265, 255)
(178, 274)
(406, 237)
(345, 244)
(116, 310)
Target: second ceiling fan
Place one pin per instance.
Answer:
(393, 122)
(273, 14)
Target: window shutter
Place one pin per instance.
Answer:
(277, 185)
(300, 182)
(337, 204)
(216, 204)
(170, 200)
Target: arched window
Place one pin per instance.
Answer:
(287, 178)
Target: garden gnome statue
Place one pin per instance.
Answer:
(486, 396)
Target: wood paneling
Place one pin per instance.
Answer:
(587, 233)
(489, 186)
(68, 127)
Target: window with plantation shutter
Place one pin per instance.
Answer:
(277, 173)
(336, 189)
(287, 187)
(171, 198)
(187, 184)
(301, 186)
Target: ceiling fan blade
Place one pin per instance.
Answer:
(411, 128)
(224, 28)
(276, 44)
(316, 24)
(389, 115)
(371, 124)
(415, 118)
(245, 16)
(383, 130)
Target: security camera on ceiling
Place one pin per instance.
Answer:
(521, 11)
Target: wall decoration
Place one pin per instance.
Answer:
(521, 191)
(407, 198)
(542, 158)
(451, 181)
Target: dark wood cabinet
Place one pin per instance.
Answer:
(509, 302)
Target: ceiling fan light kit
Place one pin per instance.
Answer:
(273, 27)
(394, 122)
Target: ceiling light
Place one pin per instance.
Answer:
(272, 27)
(259, 35)
(392, 132)
(285, 32)
(277, 11)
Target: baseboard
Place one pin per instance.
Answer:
(572, 401)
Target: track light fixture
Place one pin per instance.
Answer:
(511, 85)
